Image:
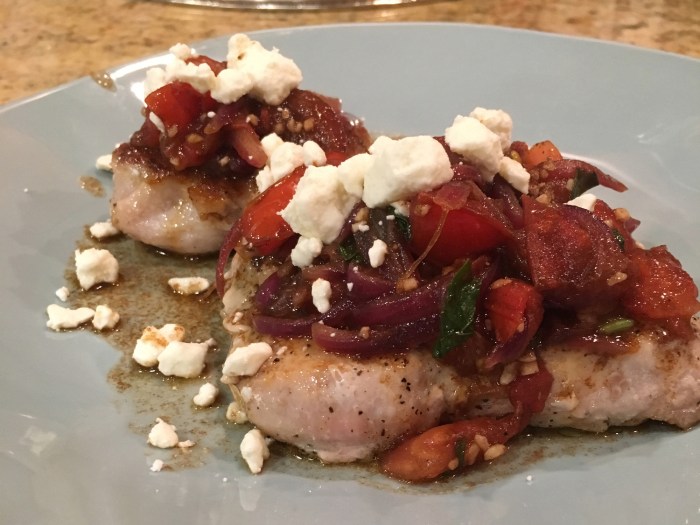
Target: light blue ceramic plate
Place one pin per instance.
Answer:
(67, 452)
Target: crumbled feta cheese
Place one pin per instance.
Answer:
(153, 341)
(155, 79)
(270, 143)
(377, 253)
(361, 226)
(206, 395)
(401, 168)
(188, 285)
(183, 51)
(401, 208)
(102, 230)
(62, 293)
(199, 76)
(163, 435)
(188, 443)
(157, 122)
(313, 154)
(352, 173)
(182, 359)
(585, 201)
(305, 251)
(60, 317)
(94, 266)
(104, 162)
(476, 143)
(246, 360)
(236, 414)
(230, 85)
(321, 295)
(254, 450)
(105, 317)
(157, 465)
(497, 121)
(320, 204)
(514, 174)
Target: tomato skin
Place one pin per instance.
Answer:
(508, 303)
(539, 153)
(261, 225)
(178, 104)
(471, 226)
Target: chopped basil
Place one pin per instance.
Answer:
(619, 238)
(348, 250)
(583, 181)
(616, 326)
(402, 223)
(458, 311)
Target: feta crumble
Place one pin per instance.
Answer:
(157, 465)
(246, 360)
(60, 317)
(163, 435)
(62, 293)
(514, 174)
(94, 266)
(585, 201)
(254, 450)
(105, 317)
(305, 251)
(104, 162)
(377, 253)
(321, 295)
(189, 285)
(206, 395)
(497, 121)
(476, 143)
(235, 413)
(102, 230)
(182, 359)
(153, 341)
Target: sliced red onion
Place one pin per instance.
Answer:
(509, 350)
(366, 285)
(330, 272)
(231, 240)
(268, 291)
(367, 342)
(247, 144)
(301, 326)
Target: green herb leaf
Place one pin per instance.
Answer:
(348, 250)
(458, 311)
(616, 326)
(402, 223)
(583, 181)
(460, 449)
(619, 238)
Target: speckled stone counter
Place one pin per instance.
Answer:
(46, 43)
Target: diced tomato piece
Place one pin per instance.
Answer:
(472, 224)
(261, 225)
(539, 153)
(508, 303)
(176, 104)
(574, 259)
(660, 287)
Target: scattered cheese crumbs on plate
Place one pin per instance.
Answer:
(163, 435)
(186, 444)
(247, 360)
(236, 414)
(183, 359)
(105, 317)
(102, 230)
(206, 395)
(188, 285)
(94, 266)
(153, 341)
(62, 293)
(157, 465)
(60, 317)
(104, 162)
(254, 450)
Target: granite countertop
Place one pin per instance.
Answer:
(45, 44)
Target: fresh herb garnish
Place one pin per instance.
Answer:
(619, 238)
(616, 326)
(583, 181)
(348, 250)
(458, 311)
(402, 223)
(460, 449)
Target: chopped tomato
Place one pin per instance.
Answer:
(539, 153)
(574, 259)
(178, 104)
(508, 303)
(459, 220)
(660, 287)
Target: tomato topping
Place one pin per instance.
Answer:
(660, 287)
(539, 153)
(464, 221)
(508, 303)
(574, 258)
(178, 104)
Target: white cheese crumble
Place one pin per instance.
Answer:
(401, 168)
(377, 253)
(254, 450)
(497, 121)
(320, 204)
(514, 174)
(94, 266)
(182, 359)
(305, 251)
(246, 360)
(157, 465)
(321, 295)
(188, 285)
(476, 143)
(206, 395)
(153, 341)
(102, 230)
(60, 317)
(352, 173)
(105, 317)
(157, 122)
(284, 157)
(163, 435)
(585, 201)
(236, 414)
(104, 162)
(62, 293)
